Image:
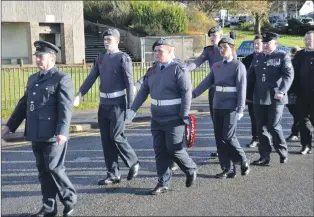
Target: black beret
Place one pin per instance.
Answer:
(44, 47)
(163, 41)
(257, 37)
(214, 30)
(111, 32)
(268, 36)
(226, 40)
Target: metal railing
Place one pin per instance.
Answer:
(14, 80)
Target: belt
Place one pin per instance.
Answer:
(112, 95)
(226, 89)
(166, 102)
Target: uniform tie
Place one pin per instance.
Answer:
(41, 75)
(162, 67)
(225, 61)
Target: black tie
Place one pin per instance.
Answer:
(162, 67)
(41, 75)
(225, 61)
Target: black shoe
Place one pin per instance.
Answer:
(310, 151)
(222, 175)
(252, 144)
(292, 138)
(109, 181)
(68, 211)
(158, 190)
(261, 162)
(133, 172)
(43, 213)
(214, 154)
(174, 167)
(283, 160)
(190, 179)
(231, 175)
(304, 150)
(245, 169)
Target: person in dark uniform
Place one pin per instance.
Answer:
(116, 79)
(272, 74)
(169, 85)
(140, 81)
(292, 107)
(303, 88)
(47, 108)
(258, 48)
(212, 55)
(228, 77)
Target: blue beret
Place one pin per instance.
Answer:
(214, 30)
(163, 41)
(226, 40)
(268, 36)
(44, 47)
(111, 32)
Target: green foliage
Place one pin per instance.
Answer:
(158, 17)
(246, 26)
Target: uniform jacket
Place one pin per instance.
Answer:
(269, 75)
(231, 74)
(173, 82)
(250, 87)
(115, 73)
(51, 99)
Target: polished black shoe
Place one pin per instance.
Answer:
(68, 211)
(222, 175)
(109, 181)
(283, 160)
(304, 150)
(174, 167)
(261, 162)
(310, 151)
(158, 190)
(43, 213)
(292, 138)
(245, 169)
(231, 175)
(252, 144)
(214, 154)
(190, 179)
(133, 172)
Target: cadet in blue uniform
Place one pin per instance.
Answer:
(258, 48)
(116, 78)
(272, 74)
(228, 77)
(169, 85)
(212, 55)
(47, 108)
(303, 88)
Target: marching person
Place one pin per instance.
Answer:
(212, 55)
(292, 107)
(169, 85)
(140, 81)
(228, 77)
(272, 74)
(303, 88)
(258, 48)
(47, 108)
(116, 77)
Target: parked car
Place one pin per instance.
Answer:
(295, 26)
(308, 20)
(246, 48)
(280, 23)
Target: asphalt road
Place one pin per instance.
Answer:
(277, 190)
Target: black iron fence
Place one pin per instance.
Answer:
(14, 80)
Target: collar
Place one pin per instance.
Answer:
(307, 50)
(165, 64)
(112, 52)
(44, 72)
(229, 59)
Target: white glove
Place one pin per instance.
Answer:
(134, 89)
(130, 114)
(77, 101)
(239, 116)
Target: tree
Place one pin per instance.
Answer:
(207, 6)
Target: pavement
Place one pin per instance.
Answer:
(86, 120)
(275, 190)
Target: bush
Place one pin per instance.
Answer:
(199, 21)
(246, 26)
(158, 18)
